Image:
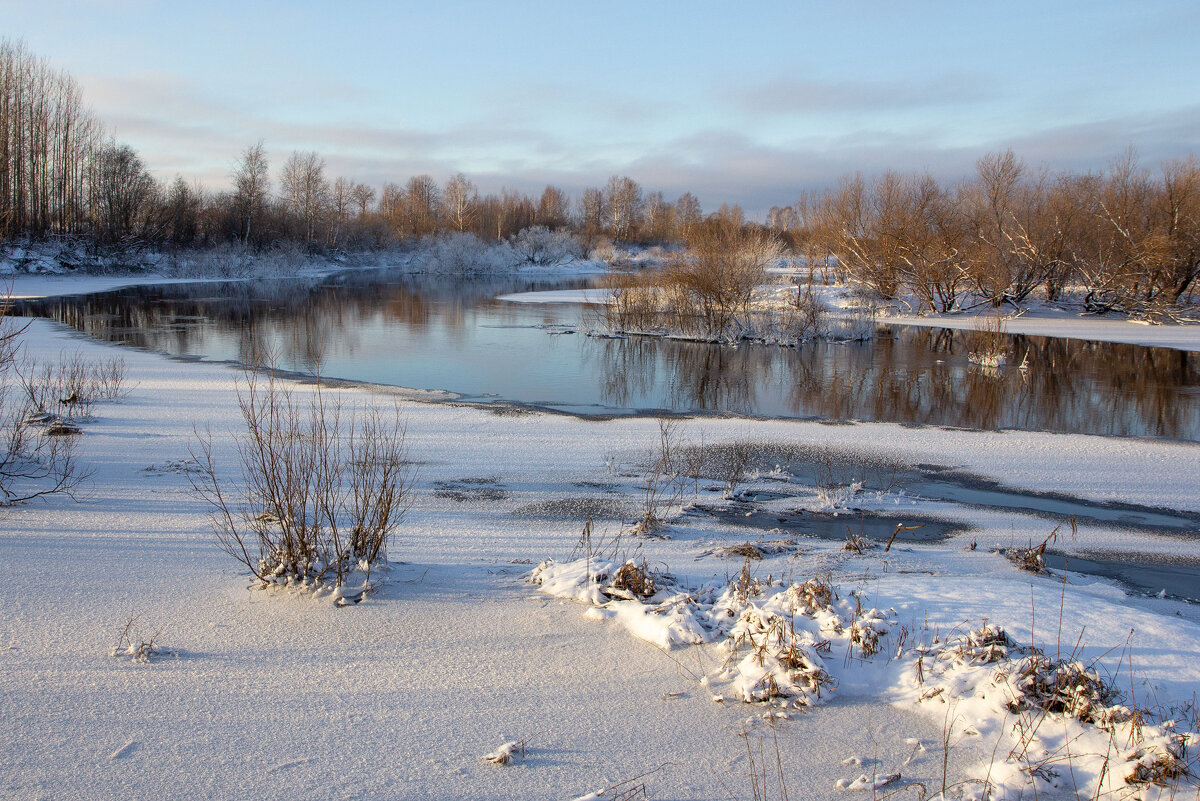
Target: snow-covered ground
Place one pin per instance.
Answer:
(403, 695)
(1051, 322)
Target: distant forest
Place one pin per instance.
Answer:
(1128, 238)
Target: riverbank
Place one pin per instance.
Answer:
(1039, 320)
(403, 694)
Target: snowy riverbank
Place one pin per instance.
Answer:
(402, 695)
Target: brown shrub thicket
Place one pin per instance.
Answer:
(1127, 237)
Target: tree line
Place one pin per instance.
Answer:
(1127, 236)
(62, 173)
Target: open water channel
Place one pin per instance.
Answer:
(452, 334)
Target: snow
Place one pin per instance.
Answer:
(1068, 325)
(259, 692)
(43, 285)
(558, 296)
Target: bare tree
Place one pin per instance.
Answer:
(591, 214)
(420, 206)
(554, 209)
(121, 196)
(659, 219)
(184, 207)
(252, 187)
(363, 196)
(305, 191)
(458, 202)
(624, 205)
(687, 211)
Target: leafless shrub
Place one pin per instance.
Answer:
(135, 645)
(634, 302)
(1033, 559)
(734, 468)
(987, 344)
(72, 384)
(665, 480)
(856, 543)
(322, 491)
(36, 459)
(811, 314)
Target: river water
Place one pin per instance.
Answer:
(449, 333)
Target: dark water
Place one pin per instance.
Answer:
(452, 334)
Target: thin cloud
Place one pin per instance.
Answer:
(803, 95)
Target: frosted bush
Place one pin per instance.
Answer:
(463, 253)
(541, 246)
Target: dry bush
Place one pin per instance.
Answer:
(866, 631)
(813, 595)
(72, 384)
(856, 543)
(1161, 767)
(135, 645)
(635, 302)
(322, 491)
(632, 580)
(745, 550)
(712, 281)
(792, 669)
(982, 646)
(1065, 687)
(1033, 559)
(759, 549)
(37, 450)
(747, 585)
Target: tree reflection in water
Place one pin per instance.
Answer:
(375, 329)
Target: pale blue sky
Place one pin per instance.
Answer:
(748, 102)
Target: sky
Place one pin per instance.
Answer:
(752, 103)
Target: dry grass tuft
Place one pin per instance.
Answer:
(814, 595)
(1065, 687)
(983, 646)
(507, 753)
(1161, 767)
(1033, 559)
(856, 543)
(746, 586)
(632, 580)
(135, 645)
(759, 549)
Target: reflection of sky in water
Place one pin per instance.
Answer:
(440, 333)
